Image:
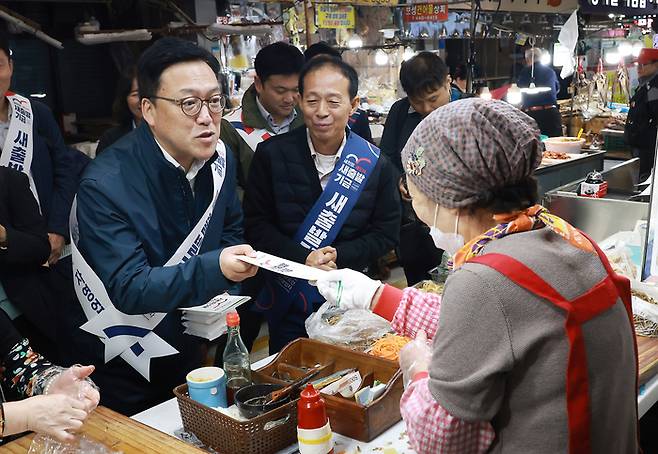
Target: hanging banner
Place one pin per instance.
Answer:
(335, 16)
(527, 6)
(425, 12)
(360, 2)
(626, 7)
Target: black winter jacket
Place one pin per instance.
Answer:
(283, 186)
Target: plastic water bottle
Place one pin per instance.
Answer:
(236, 358)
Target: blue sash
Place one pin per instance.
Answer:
(320, 228)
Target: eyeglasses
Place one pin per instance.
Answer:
(191, 105)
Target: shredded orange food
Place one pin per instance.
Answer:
(389, 346)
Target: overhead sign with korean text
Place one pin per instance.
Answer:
(360, 2)
(626, 7)
(425, 12)
(335, 16)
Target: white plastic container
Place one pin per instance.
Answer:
(571, 145)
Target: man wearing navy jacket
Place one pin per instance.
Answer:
(159, 227)
(319, 195)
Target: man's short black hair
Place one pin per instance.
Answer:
(321, 48)
(422, 74)
(278, 59)
(322, 61)
(460, 72)
(164, 53)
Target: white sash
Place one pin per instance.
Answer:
(132, 336)
(254, 136)
(17, 150)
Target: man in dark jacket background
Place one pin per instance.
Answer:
(642, 121)
(53, 168)
(24, 248)
(292, 173)
(159, 225)
(541, 103)
(426, 81)
(269, 106)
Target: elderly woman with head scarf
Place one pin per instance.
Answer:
(532, 316)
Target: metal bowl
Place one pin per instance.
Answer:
(251, 399)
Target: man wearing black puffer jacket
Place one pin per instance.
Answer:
(319, 195)
(641, 124)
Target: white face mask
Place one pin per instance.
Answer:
(449, 242)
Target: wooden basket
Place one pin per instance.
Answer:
(346, 416)
(264, 434)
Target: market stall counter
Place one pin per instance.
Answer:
(155, 430)
(553, 173)
(118, 433)
(601, 217)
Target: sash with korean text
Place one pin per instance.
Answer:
(252, 136)
(321, 227)
(132, 336)
(17, 150)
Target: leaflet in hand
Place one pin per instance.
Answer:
(283, 266)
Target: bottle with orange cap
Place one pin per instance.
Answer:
(236, 358)
(313, 430)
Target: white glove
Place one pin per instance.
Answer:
(348, 289)
(415, 357)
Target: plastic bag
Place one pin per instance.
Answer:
(43, 444)
(354, 328)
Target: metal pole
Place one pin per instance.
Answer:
(470, 72)
(308, 12)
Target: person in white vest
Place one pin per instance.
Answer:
(269, 106)
(32, 143)
(157, 227)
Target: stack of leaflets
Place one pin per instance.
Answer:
(209, 320)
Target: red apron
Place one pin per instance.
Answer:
(578, 311)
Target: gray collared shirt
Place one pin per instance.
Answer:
(276, 128)
(325, 164)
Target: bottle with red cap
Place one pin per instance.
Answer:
(236, 358)
(313, 430)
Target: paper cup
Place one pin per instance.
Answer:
(207, 385)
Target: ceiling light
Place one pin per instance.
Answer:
(612, 57)
(534, 89)
(514, 95)
(355, 42)
(381, 57)
(625, 49)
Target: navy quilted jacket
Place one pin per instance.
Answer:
(282, 188)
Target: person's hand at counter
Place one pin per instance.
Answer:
(56, 415)
(415, 358)
(349, 289)
(233, 268)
